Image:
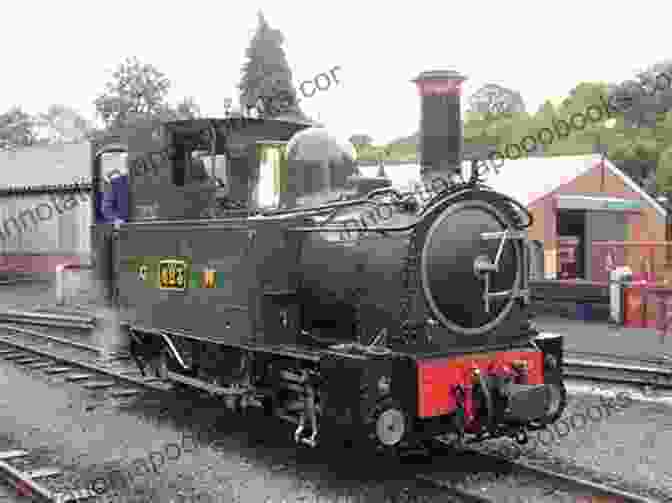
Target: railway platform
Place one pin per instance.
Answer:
(600, 337)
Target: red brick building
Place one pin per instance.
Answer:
(579, 201)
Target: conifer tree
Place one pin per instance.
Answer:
(266, 74)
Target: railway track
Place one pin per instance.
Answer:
(524, 481)
(614, 369)
(49, 319)
(79, 362)
(76, 362)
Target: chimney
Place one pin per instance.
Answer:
(440, 121)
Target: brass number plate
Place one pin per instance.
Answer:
(172, 275)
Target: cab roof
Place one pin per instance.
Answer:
(202, 123)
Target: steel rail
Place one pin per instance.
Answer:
(48, 319)
(101, 369)
(23, 481)
(28, 331)
(625, 496)
(147, 382)
(608, 491)
(644, 373)
(561, 479)
(462, 495)
(50, 316)
(663, 360)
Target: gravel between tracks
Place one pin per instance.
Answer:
(628, 448)
(89, 435)
(93, 436)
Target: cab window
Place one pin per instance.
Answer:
(197, 170)
(112, 165)
(216, 170)
(272, 175)
(179, 168)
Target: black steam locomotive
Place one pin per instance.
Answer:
(240, 272)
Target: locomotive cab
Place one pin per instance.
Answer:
(179, 170)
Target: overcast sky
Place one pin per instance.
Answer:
(65, 51)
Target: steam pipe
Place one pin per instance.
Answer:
(321, 209)
(335, 228)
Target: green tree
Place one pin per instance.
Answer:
(664, 171)
(360, 139)
(360, 142)
(136, 90)
(544, 118)
(479, 128)
(495, 116)
(640, 151)
(186, 109)
(644, 130)
(64, 124)
(266, 74)
(492, 100)
(592, 135)
(17, 129)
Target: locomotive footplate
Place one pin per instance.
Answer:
(369, 399)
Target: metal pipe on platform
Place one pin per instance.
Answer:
(60, 279)
(60, 284)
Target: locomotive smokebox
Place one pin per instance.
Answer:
(440, 121)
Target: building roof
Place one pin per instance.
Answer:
(45, 166)
(528, 180)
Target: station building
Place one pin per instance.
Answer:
(45, 207)
(583, 206)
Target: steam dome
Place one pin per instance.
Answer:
(318, 163)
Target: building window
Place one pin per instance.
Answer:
(272, 174)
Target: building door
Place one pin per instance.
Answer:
(571, 244)
(536, 260)
(604, 226)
